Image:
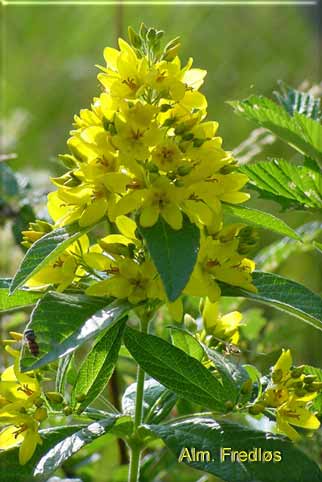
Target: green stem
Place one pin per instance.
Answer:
(135, 447)
(134, 470)
(139, 398)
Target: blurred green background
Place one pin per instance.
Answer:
(50, 52)
(48, 75)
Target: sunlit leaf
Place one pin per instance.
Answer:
(283, 294)
(62, 323)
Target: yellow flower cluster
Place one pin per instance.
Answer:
(145, 146)
(290, 394)
(145, 152)
(21, 409)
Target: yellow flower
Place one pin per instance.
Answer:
(162, 199)
(124, 74)
(24, 431)
(221, 327)
(18, 412)
(295, 412)
(85, 203)
(64, 270)
(282, 367)
(219, 260)
(133, 140)
(129, 280)
(290, 394)
(167, 155)
(164, 77)
(15, 386)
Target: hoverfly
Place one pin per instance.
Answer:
(232, 349)
(30, 339)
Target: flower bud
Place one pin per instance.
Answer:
(297, 385)
(198, 142)
(247, 386)
(68, 161)
(277, 375)
(229, 405)
(309, 387)
(67, 410)
(151, 34)
(40, 414)
(165, 107)
(309, 378)
(184, 169)
(256, 409)
(81, 397)
(188, 137)
(171, 49)
(300, 392)
(248, 239)
(134, 38)
(143, 31)
(296, 372)
(115, 248)
(55, 397)
(317, 386)
(38, 402)
(151, 167)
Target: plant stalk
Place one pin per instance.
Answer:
(136, 448)
(135, 458)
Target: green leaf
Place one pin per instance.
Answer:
(123, 426)
(300, 132)
(62, 323)
(301, 102)
(97, 368)
(20, 299)
(261, 220)
(9, 461)
(157, 402)
(284, 294)
(64, 365)
(300, 184)
(45, 250)
(62, 451)
(273, 255)
(232, 374)
(318, 246)
(186, 342)
(176, 370)
(205, 434)
(174, 253)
